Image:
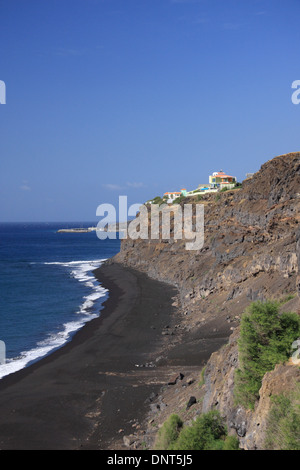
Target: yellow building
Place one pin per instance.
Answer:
(219, 179)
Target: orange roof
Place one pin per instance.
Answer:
(173, 192)
(221, 174)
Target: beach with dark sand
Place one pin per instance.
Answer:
(92, 391)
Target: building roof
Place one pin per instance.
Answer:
(221, 174)
(173, 192)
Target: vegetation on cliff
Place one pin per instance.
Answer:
(265, 340)
(251, 253)
(283, 426)
(169, 432)
(207, 432)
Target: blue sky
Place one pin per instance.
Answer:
(138, 97)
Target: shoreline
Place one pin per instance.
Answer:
(93, 391)
(87, 309)
(79, 396)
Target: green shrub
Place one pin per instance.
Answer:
(168, 433)
(283, 424)
(158, 200)
(265, 340)
(178, 200)
(231, 443)
(204, 434)
(208, 432)
(286, 298)
(202, 380)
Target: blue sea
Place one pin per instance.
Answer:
(47, 287)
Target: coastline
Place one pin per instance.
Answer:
(94, 390)
(81, 395)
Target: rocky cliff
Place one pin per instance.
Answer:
(250, 252)
(218, 393)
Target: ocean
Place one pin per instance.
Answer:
(47, 287)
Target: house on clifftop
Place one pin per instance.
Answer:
(171, 196)
(220, 180)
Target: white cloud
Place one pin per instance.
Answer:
(201, 21)
(25, 186)
(185, 1)
(112, 187)
(68, 51)
(232, 26)
(135, 185)
(118, 187)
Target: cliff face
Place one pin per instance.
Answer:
(250, 253)
(218, 390)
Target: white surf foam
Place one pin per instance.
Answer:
(82, 271)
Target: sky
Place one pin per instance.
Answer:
(139, 97)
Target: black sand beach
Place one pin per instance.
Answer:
(82, 394)
(88, 394)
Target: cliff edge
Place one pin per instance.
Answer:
(250, 252)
